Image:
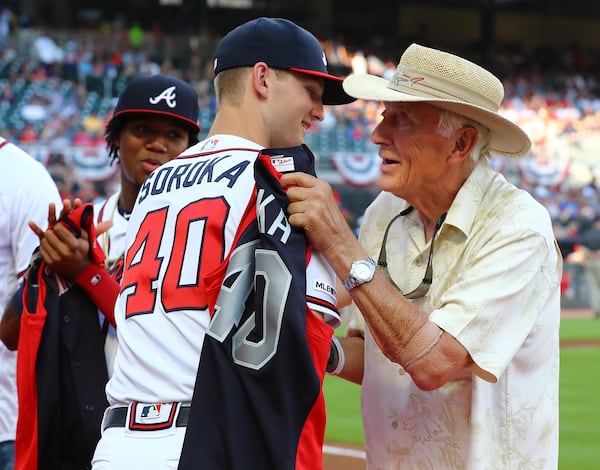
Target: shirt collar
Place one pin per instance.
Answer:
(219, 142)
(470, 196)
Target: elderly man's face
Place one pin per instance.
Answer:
(413, 153)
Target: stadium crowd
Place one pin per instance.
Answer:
(57, 92)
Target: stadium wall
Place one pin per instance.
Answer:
(452, 25)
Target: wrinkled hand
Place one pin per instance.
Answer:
(314, 209)
(60, 248)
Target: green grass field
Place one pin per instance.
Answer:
(579, 402)
(580, 328)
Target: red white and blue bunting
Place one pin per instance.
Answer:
(356, 168)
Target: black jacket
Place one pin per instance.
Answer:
(61, 374)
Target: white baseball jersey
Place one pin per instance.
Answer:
(26, 189)
(180, 232)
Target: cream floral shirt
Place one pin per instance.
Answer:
(496, 278)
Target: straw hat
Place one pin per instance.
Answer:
(449, 82)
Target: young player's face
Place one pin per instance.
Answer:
(147, 142)
(296, 104)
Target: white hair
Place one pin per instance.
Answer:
(449, 122)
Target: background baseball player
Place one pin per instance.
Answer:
(155, 119)
(26, 188)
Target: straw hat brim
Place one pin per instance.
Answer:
(506, 138)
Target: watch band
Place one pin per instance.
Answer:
(350, 283)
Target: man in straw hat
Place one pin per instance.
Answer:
(454, 278)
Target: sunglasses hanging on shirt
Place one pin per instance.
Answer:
(423, 287)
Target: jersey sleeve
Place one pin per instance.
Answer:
(320, 289)
(32, 206)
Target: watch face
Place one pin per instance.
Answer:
(363, 272)
(360, 272)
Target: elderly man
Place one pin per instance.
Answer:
(454, 278)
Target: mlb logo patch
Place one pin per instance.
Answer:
(283, 163)
(151, 411)
(96, 278)
(324, 286)
(152, 416)
(210, 144)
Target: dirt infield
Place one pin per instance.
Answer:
(343, 457)
(577, 313)
(579, 343)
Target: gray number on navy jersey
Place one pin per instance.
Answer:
(232, 299)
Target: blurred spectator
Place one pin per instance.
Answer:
(136, 35)
(29, 134)
(7, 97)
(47, 52)
(69, 64)
(559, 108)
(590, 241)
(88, 137)
(93, 124)
(359, 62)
(36, 109)
(6, 24)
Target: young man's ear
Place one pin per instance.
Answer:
(260, 74)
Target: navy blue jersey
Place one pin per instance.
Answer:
(258, 400)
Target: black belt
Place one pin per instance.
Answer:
(117, 417)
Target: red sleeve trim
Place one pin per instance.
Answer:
(101, 288)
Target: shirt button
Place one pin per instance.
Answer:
(66, 318)
(89, 407)
(419, 261)
(401, 370)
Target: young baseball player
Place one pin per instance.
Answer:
(155, 119)
(209, 250)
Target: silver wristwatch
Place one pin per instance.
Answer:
(361, 271)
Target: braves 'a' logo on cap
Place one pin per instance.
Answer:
(168, 94)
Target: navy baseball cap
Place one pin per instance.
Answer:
(160, 94)
(281, 44)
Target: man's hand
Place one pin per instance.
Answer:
(314, 209)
